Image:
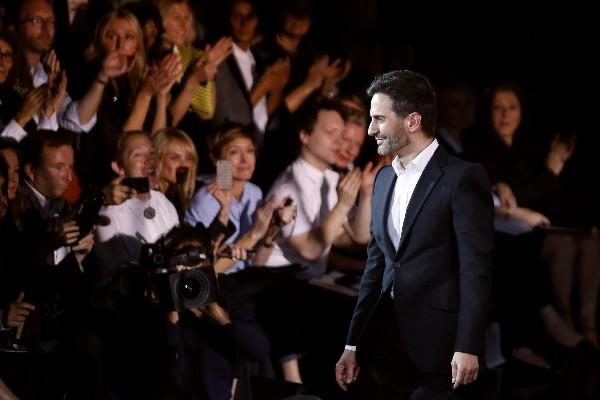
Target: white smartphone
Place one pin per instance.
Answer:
(224, 174)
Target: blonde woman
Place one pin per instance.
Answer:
(176, 167)
(198, 91)
(126, 103)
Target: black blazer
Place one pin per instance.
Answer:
(442, 270)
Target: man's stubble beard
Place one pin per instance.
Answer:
(392, 145)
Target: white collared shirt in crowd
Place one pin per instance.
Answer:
(302, 182)
(246, 62)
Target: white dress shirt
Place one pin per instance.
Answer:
(62, 252)
(246, 62)
(409, 170)
(302, 182)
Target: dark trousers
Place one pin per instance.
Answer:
(387, 371)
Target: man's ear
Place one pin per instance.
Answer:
(304, 136)
(29, 172)
(117, 168)
(414, 122)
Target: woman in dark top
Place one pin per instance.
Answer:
(127, 101)
(524, 186)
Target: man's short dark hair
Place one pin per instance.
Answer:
(309, 112)
(410, 92)
(184, 233)
(297, 8)
(15, 13)
(32, 146)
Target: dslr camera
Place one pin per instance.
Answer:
(179, 270)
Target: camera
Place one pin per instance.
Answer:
(181, 274)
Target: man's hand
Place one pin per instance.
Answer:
(262, 219)
(116, 193)
(465, 369)
(506, 195)
(368, 178)
(348, 188)
(18, 313)
(346, 369)
(220, 50)
(32, 104)
(83, 246)
(67, 233)
(560, 152)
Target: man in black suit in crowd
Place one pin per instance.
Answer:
(48, 266)
(422, 306)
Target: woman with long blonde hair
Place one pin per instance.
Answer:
(176, 167)
(127, 101)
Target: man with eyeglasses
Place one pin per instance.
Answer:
(34, 27)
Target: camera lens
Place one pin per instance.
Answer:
(190, 287)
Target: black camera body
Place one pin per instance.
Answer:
(181, 280)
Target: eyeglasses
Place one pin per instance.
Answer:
(6, 55)
(39, 21)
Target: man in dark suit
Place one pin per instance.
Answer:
(422, 306)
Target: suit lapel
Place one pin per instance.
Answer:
(237, 75)
(386, 209)
(430, 176)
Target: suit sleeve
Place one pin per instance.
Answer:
(371, 283)
(473, 216)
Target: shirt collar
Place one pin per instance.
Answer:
(42, 200)
(314, 173)
(416, 161)
(239, 53)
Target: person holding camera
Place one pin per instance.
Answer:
(209, 334)
(48, 267)
(141, 214)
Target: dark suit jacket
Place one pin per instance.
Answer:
(441, 272)
(233, 99)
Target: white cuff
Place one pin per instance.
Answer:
(14, 130)
(350, 348)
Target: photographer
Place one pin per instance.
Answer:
(213, 334)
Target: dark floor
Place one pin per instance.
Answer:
(331, 312)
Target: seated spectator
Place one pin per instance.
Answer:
(241, 205)
(519, 187)
(127, 102)
(322, 218)
(456, 104)
(14, 109)
(49, 263)
(198, 90)
(139, 217)
(9, 151)
(309, 74)
(355, 132)
(242, 96)
(35, 27)
(150, 21)
(176, 167)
